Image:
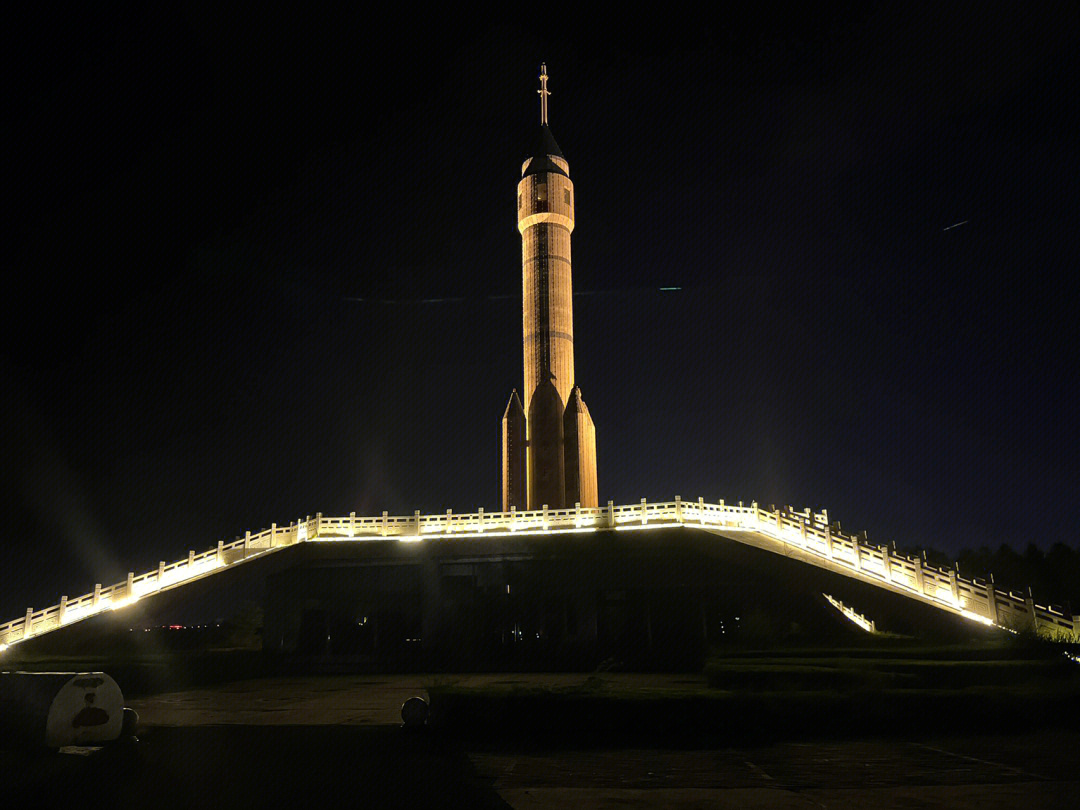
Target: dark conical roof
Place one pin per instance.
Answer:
(544, 145)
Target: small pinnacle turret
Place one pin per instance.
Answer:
(559, 447)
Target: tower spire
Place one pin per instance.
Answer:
(544, 93)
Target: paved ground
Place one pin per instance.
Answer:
(335, 741)
(951, 773)
(349, 700)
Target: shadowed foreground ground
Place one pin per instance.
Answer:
(333, 741)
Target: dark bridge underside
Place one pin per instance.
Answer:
(657, 599)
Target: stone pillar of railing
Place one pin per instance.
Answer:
(28, 622)
(191, 557)
(273, 534)
(779, 523)
(221, 549)
(63, 609)
(920, 577)
(97, 594)
(161, 571)
(644, 512)
(701, 511)
(577, 514)
(416, 517)
(318, 525)
(886, 564)
(678, 509)
(449, 521)
(544, 519)
(828, 542)
(856, 553)
(611, 513)
(480, 519)
(129, 591)
(954, 585)
(1029, 603)
(384, 530)
(352, 524)
(513, 518)
(247, 541)
(991, 601)
(802, 529)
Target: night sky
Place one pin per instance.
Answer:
(260, 268)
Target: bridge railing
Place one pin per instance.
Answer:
(804, 530)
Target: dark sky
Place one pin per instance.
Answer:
(199, 202)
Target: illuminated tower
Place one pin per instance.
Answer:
(560, 444)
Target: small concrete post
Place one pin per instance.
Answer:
(480, 518)
(886, 564)
(644, 512)
(191, 557)
(161, 571)
(954, 584)
(920, 577)
(352, 524)
(130, 584)
(416, 517)
(221, 552)
(28, 622)
(855, 550)
(779, 524)
(577, 514)
(828, 542)
(545, 517)
(513, 518)
(701, 511)
(63, 610)
(97, 594)
(449, 521)
(318, 524)
(802, 530)
(384, 530)
(678, 509)
(611, 513)
(273, 534)
(247, 541)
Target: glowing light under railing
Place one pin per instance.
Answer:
(975, 617)
(120, 604)
(532, 532)
(76, 612)
(3, 647)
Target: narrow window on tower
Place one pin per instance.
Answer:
(519, 202)
(566, 193)
(541, 192)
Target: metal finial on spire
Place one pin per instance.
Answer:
(544, 93)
